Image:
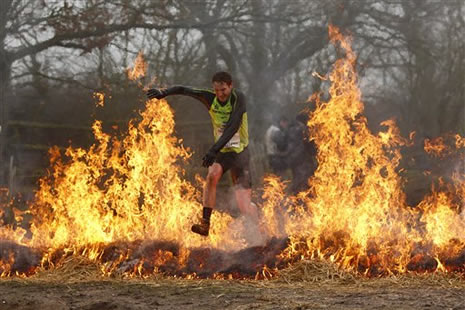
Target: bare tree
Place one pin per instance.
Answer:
(28, 28)
(404, 48)
(415, 52)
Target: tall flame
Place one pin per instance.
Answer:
(119, 191)
(355, 212)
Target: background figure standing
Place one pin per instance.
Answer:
(301, 153)
(276, 146)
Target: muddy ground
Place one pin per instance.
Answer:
(105, 294)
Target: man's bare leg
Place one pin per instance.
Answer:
(244, 203)
(253, 232)
(215, 172)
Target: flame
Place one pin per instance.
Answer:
(125, 204)
(444, 146)
(459, 141)
(7, 263)
(100, 97)
(435, 146)
(140, 68)
(119, 192)
(355, 213)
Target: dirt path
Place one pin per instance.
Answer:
(212, 294)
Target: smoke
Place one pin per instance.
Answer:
(248, 230)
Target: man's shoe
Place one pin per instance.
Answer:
(202, 228)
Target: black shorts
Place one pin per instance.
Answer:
(238, 163)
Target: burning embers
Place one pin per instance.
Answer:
(146, 258)
(17, 259)
(125, 205)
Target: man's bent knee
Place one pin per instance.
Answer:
(214, 174)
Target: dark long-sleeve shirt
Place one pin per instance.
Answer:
(226, 122)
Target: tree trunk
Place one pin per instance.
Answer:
(260, 87)
(5, 69)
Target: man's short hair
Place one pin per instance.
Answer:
(222, 77)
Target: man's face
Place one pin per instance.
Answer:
(222, 90)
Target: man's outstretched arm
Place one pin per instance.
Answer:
(203, 95)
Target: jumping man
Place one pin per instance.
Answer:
(227, 108)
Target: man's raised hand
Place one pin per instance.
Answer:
(156, 93)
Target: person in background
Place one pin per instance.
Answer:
(276, 146)
(301, 153)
